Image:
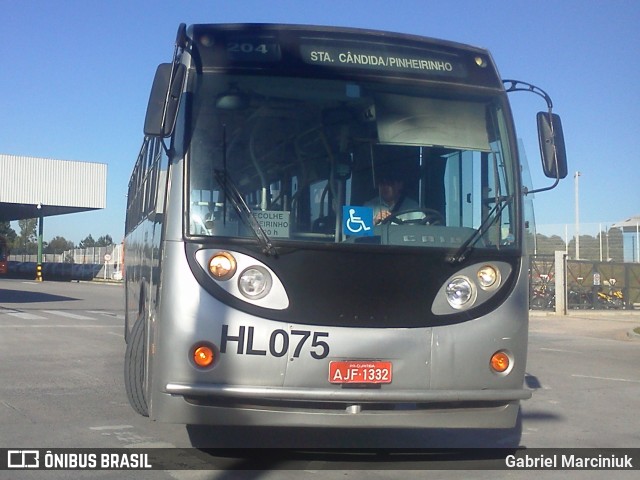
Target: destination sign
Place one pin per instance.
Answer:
(398, 60)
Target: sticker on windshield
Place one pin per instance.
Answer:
(274, 223)
(357, 221)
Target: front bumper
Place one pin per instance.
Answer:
(360, 408)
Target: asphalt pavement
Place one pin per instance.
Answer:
(612, 324)
(61, 351)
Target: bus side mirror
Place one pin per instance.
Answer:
(164, 100)
(552, 149)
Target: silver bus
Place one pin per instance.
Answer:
(325, 227)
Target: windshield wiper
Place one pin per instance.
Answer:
(467, 246)
(235, 197)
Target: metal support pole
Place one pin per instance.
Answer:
(560, 282)
(576, 176)
(39, 265)
(637, 242)
(600, 235)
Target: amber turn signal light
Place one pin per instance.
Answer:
(222, 266)
(500, 362)
(203, 356)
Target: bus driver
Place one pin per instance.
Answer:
(391, 199)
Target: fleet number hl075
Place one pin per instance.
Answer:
(279, 342)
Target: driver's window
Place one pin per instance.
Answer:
(462, 189)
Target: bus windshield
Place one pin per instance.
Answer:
(350, 163)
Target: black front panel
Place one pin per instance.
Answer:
(357, 288)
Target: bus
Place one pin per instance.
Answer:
(4, 256)
(271, 277)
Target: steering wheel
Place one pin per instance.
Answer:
(431, 217)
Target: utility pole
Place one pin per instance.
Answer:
(576, 176)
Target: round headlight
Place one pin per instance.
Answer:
(460, 292)
(255, 282)
(487, 276)
(222, 266)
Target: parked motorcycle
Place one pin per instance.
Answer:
(543, 295)
(612, 298)
(579, 299)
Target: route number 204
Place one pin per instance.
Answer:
(245, 47)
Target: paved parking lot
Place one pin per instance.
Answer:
(61, 353)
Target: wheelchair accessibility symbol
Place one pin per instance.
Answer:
(357, 221)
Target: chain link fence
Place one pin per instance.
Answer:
(602, 265)
(77, 264)
(589, 285)
(603, 242)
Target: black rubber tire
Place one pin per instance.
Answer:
(134, 368)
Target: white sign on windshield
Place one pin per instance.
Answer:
(275, 223)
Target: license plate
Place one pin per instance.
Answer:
(360, 371)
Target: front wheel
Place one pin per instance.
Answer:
(134, 368)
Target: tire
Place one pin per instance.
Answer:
(134, 368)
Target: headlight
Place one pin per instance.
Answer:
(460, 293)
(255, 282)
(243, 277)
(470, 287)
(488, 276)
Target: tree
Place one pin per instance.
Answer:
(104, 241)
(27, 240)
(548, 245)
(8, 233)
(58, 245)
(28, 228)
(88, 242)
(589, 248)
(615, 245)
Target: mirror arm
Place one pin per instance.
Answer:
(526, 191)
(520, 86)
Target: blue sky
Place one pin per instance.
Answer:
(76, 75)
